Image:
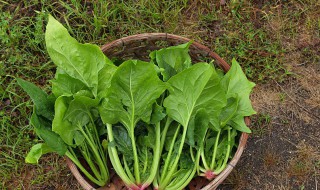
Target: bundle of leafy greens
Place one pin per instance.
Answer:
(68, 120)
(160, 123)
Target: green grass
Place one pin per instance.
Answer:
(262, 37)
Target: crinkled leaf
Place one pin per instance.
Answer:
(134, 88)
(122, 142)
(36, 152)
(185, 161)
(172, 60)
(193, 89)
(149, 139)
(145, 160)
(157, 114)
(80, 61)
(43, 104)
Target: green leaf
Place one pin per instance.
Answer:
(187, 87)
(36, 152)
(209, 143)
(123, 142)
(239, 124)
(145, 162)
(213, 99)
(173, 59)
(80, 61)
(60, 125)
(104, 144)
(202, 120)
(52, 139)
(65, 85)
(236, 83)
(229, 110)
(223, 145)
(185, 161)
(43, 104)
(105, 76)
(78, 138)
(79, 110)
(134, 88)
(157, 114)
(149, 139)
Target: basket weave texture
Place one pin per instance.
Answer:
(138, 47)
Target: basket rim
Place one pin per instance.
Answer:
(122, 42)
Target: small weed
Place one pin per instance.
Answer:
(282, 97)
(261, 124)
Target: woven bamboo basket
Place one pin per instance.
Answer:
(139, 47)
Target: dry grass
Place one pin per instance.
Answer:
(304, 166)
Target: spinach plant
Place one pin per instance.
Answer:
(218, 138)
(67, 120)
(133, 92)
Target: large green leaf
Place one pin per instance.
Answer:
(196, 100)
(52, 140)
(134, 88)
(235, 82)
(43, 104)
(172, 60)
(187, 87)
(80, 61)
(36, 152)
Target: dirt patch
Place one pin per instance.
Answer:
(283, 151)
(52, 173)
